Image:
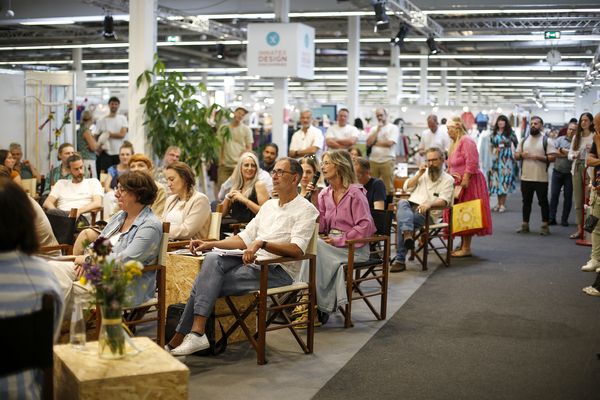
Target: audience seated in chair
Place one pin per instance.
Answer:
(83, 194)
(135, 234)
(23, 167)
(282, 227)
(7, 160)
(310, 168)
(430, 187)
(343, 215)
(376, 193)
(25, 279)
(247, 193)
(171, 155)
(61, 171)
(186, 209)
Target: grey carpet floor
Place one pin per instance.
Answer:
(509, 323)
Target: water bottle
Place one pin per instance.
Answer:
(77, 333)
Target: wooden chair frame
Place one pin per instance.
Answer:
(424, 239)
(283, 300)
(375, 269)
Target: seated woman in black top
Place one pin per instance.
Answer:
(247, 193)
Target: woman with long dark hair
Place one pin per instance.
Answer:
(502, 173)
(580, 147)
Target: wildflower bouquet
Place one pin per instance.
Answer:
(111, 279)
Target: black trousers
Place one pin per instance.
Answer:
(104, 161)
(561, 180)
(528, 188)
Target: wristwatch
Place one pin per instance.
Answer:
(264, 245)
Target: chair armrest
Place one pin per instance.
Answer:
(150, 268)
(280, 260)
(371, 239)
(177, 244)
(68, 248)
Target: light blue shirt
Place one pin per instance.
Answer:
(142, 243)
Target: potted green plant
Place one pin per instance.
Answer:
(173, 115)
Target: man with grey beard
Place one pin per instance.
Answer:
(430, 187)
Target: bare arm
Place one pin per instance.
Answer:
(304, 152)
(50, 203)
(379, 205)
(89, 139)
(95, 204)
(372, 138)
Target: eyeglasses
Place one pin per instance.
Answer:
(280, 172)
(326, 163)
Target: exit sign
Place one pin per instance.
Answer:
(552, 35)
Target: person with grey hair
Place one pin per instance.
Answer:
(308, 140)
(383, 140)
(435, 135)
(430, 187)
(23, 167)
(282, 227)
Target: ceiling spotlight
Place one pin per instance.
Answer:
(383, 21)
(431, 44)
(399, 38)
(109, 28)
(220, 51)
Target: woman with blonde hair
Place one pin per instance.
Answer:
(247, 193)
(186, 209)
(463, 165)
(344, 215)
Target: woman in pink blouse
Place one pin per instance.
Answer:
(463, 165)
(344, 215)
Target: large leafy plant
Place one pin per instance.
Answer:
(173, 115)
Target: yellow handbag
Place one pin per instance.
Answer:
(467, 217)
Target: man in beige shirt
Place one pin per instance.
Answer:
(240, 141)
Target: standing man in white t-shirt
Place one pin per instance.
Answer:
(435, 135)
(534, 172)
(308, 140)
(341, 135)
(116, 126)
(383, 140)
(83, 194)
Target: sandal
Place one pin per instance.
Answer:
(299, 310)
(575, 235)
(496, 208)
(302, 322)
(501, 209)
(460, 254)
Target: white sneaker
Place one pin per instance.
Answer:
(591, 266)
(191, 344)
(589, 290)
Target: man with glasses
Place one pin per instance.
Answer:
(430, 187)
(383, 140)
(282, 227)
(83, 194)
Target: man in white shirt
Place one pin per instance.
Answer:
(430, 187)
(116, 126)
(83, 194)
(308, 140)
(383, 141)
(341, 135)
(435, 135)
(537, 152)
(282, 227)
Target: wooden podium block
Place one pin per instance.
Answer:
(181, 275)
(150, 374)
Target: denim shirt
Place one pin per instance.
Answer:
(142, 243)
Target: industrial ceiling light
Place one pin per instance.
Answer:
(220, 51)
(398, 40)
(383, 21)
(109, 28)
(432, 46)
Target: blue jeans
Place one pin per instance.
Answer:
(408, 220)
(561, 179)
(225, 276)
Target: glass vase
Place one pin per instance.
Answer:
(111, 342)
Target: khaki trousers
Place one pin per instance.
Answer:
(385, 172)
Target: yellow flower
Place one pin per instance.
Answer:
(133, 268)
(82, 280)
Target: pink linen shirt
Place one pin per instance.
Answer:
(351, 215)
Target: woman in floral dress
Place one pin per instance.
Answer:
(502, 173)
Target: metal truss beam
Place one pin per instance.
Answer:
(589, 22)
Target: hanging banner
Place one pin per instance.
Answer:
(281, 50)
